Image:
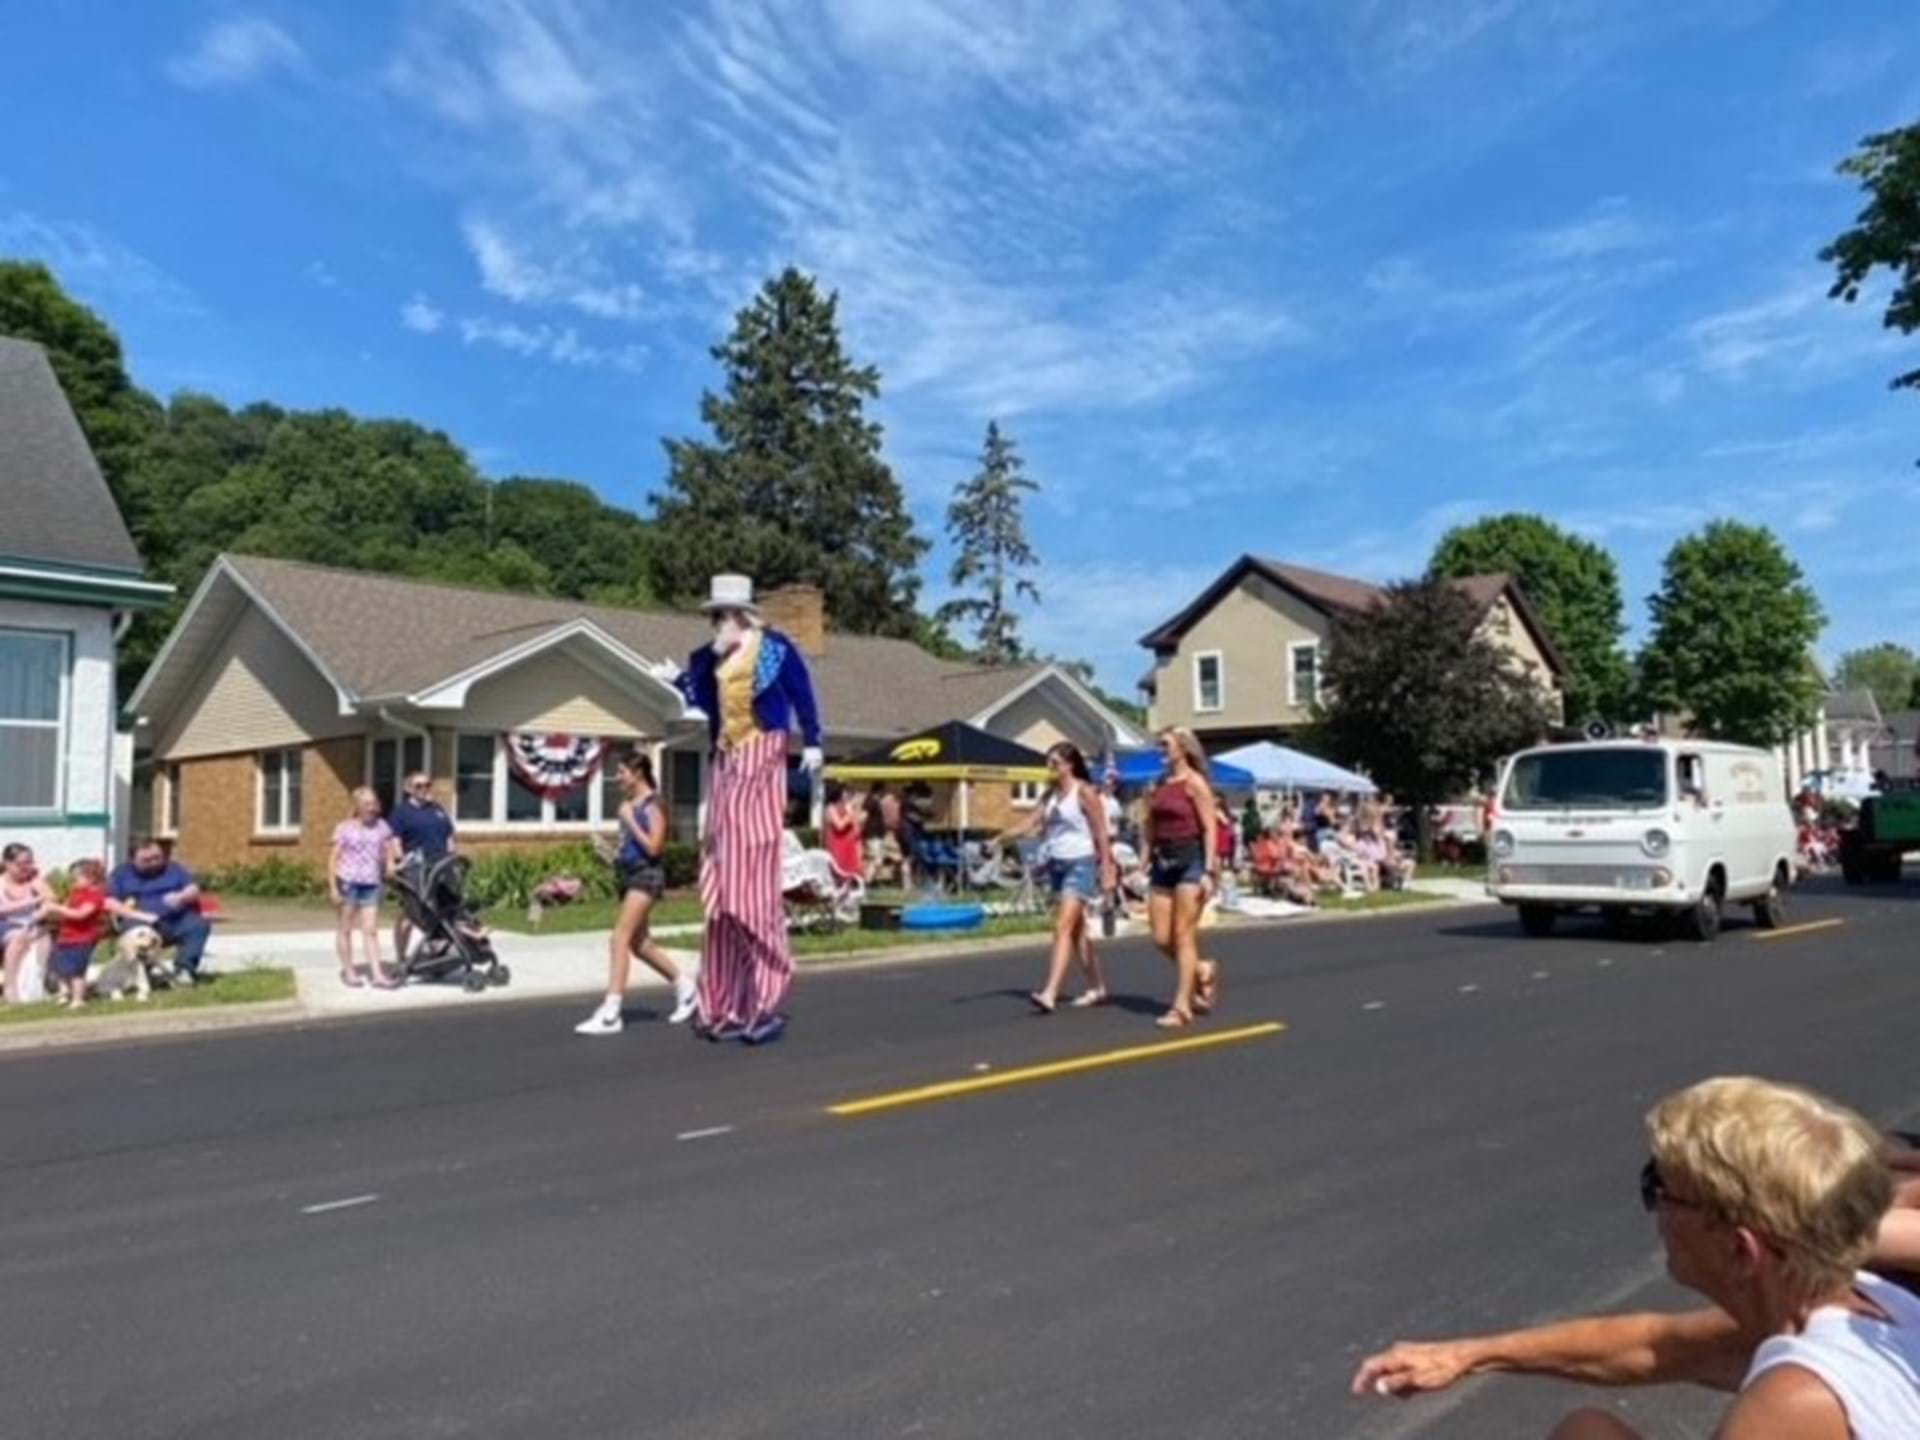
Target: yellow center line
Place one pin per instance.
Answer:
(1807, 928)
(951, 1089)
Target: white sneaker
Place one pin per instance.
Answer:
(604, 1021)
(686, 999)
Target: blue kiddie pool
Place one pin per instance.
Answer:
(942, 917)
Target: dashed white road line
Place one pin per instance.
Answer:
(346, 1204)
(1374, 1005)
(706, 1134)
(1468, 989)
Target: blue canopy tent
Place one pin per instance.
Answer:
(1144, 767)
(1276, 767)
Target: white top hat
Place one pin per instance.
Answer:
(731, 592)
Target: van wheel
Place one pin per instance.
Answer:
(1702, 922)
(1538, 920)
(1617, 921)
(1770, 910)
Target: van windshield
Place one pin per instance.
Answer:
(1588, 780)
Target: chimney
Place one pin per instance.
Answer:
(800, 613)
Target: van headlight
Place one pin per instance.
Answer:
(1502, 844)
(1656, 843)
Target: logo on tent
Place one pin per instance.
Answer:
(908, 750)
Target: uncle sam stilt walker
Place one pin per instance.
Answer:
(753, 685)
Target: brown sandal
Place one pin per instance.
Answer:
(1174, 1020)
(1206, 990)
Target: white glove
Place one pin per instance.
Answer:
(812, 759)
(666, 672)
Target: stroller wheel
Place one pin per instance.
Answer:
(500, 975)
(473, 982)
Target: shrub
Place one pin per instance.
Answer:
(273, 879)
(681, 861)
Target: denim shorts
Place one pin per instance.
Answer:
(70, 961)
(1183, 862)
(1076, 879)
(365, 896)
(648, 879)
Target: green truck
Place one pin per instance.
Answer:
(1888, 828)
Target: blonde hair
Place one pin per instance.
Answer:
(1190, 747)
(362, 793)
(1808, 1174)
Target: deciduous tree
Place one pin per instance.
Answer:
(1420, 699)
(1734, 624)
(1575, 587)
(1890, 671)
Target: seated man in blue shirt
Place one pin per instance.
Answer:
(151, 884)
(420, 827)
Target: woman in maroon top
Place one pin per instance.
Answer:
(1182, 842)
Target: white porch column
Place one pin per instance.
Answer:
(1820, 739)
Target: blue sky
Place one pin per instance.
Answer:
(1311, 279)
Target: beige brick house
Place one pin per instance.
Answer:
(1243, 661)
(286, 685)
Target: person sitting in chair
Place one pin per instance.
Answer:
(152, 884)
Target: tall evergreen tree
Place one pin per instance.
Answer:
(985, 525)
(1732, 645)
(792, 486)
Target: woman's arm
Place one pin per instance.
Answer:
(1095, 810)
(655, 835)
(1702, 1347)
(1209, 821)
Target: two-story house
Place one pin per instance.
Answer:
(1243, 661)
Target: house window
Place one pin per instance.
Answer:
(1303, 673)
(33, 716)
(488, 790)
(473, 787)
(390, 761)
(1027, 793)
(1209, 682)
(280, 792)
(166, 783)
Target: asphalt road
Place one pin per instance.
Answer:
(651, 1236)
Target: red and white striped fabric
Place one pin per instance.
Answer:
(747, 966)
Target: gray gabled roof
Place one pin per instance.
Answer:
(1856, 705)
(381, 638)
(56, 508)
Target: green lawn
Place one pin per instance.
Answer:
(1378, 900)
(589, 915)
(254, 986)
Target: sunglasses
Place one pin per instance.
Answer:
(1654, 1192)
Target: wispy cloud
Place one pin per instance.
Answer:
(1609, 227)
(236, 51)
(92, 262)
(561, 345)
(507, 271)
(321, 274)
(420, 316)
(1791, 335)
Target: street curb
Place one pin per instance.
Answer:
(67, 1034)
(70, 1034)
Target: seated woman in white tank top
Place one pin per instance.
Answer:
(1768, 1199)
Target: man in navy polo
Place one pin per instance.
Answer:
(420, 827)
(151, 883)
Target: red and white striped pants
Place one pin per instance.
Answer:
(747, 966)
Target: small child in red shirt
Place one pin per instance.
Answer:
(83, 925)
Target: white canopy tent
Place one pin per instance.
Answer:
(1275, 767)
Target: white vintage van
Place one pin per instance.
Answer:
(1684, 827)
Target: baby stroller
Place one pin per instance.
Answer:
(452, 944)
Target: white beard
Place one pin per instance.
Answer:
(728, 634)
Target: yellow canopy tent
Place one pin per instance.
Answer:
(954, 752)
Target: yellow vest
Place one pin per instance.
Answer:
(734, 677)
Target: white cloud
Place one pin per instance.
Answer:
(1793, 335)
(420, 316)
(507, 271)
(1097, 611)
(1609, 227)
(234, 52)
(84, 259)
(562, 346)
(320, 274)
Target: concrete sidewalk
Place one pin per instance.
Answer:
(542, 965)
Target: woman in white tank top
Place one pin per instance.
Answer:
(1079, 859)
